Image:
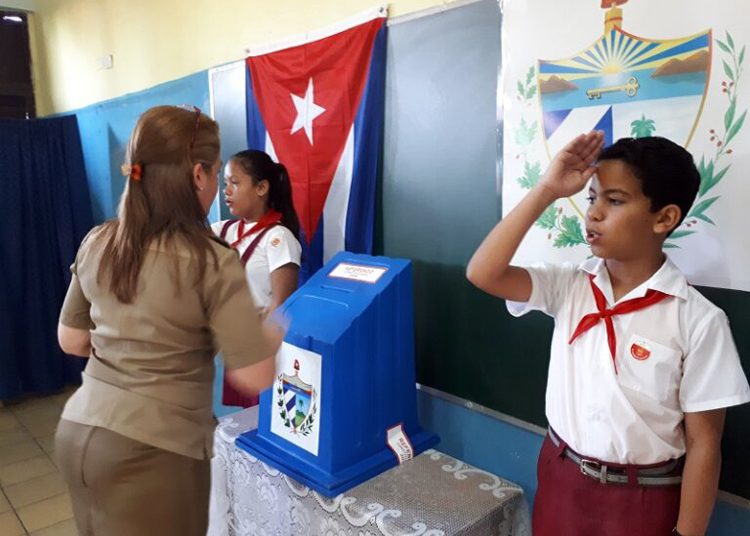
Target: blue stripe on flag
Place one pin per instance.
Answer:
(368, 148)
(312, 255)
(256, 128)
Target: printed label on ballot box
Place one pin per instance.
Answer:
(400, 445)
(358, 272)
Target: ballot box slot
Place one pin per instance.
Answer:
(339, 289)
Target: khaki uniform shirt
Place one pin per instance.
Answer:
(150, 373)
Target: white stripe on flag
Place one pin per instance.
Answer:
(579, 121)
(270, 150)
(337, 202)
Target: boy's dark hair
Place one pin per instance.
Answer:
(666, 170)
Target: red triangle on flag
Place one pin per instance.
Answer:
(329, 75)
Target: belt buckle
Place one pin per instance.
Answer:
(594, 469)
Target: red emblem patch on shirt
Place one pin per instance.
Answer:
(641, 353)
(275, 242)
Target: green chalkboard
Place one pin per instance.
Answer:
(735, 448)
(438, 200)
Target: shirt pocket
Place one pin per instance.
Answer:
(650, 368)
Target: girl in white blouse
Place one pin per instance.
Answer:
(258, 193)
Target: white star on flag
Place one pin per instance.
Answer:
(307, 110)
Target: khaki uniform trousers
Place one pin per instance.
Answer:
(121, 487)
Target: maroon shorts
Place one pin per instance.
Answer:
(569, 503)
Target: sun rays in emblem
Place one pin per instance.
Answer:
(617, 52)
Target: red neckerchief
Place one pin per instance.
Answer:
(629, 306)
(269, 219)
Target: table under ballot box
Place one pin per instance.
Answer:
(343, 406)
(432, 495)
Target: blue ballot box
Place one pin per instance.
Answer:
(343, 406)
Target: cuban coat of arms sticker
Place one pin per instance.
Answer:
(295, 415)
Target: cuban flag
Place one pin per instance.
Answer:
(317, 107)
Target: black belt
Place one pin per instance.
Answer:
(647, 476)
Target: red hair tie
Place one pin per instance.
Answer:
(134, 171)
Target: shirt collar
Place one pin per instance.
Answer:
(667, 279)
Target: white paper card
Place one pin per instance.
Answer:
(358, 272)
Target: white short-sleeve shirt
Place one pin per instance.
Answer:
(277, 248)
(674, 357)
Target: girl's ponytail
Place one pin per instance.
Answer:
(280, 200)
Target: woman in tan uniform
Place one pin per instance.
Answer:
(152, 298)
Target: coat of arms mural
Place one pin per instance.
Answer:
(616, 74)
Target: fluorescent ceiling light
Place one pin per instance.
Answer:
(12, 18)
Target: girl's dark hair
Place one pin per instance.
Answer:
(259, 166)
(167, 142)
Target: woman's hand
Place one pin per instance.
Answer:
(275, 327)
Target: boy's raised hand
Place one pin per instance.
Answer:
(489, 268)
(571, 168)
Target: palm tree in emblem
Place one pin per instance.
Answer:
(642, 128)
(299, 415)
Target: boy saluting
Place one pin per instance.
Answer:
(642, 366)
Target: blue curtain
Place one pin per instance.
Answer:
(46, 211)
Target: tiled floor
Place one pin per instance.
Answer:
(33, 497)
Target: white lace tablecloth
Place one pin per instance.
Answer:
(431, 495)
